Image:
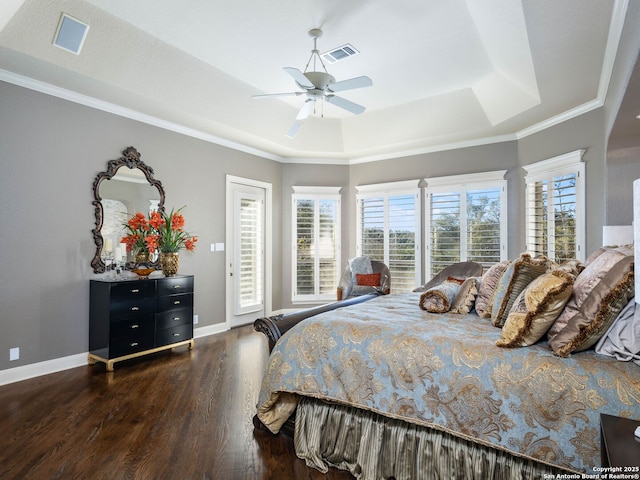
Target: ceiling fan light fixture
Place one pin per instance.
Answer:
(318, 85)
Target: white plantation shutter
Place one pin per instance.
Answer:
(316, 243)
(466, 220)
(555, 207)
(372, 233)
(250, 254)
(444, 235)
(389, 230)
(484, 234)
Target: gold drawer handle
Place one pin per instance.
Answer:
(135, 309)
(176, 318)
(134, 344)
(176, 334)
(177, 286)
(135, 290)
(177, 302)
(135, 326)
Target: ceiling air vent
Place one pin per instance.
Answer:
(70, 34)
(340, 53)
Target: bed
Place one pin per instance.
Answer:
(385, 389)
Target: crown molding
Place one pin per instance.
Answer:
(87, 101)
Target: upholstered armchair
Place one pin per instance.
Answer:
(460, 270)
(379, 281)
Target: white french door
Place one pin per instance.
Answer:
(246, 259)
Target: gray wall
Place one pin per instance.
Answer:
(50, 152)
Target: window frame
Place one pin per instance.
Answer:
(549, 169)
(386, 191)
(315, 194)
(461, 184)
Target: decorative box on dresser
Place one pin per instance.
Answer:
(130, 318)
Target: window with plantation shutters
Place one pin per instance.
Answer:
(316, 243)
(555, 207)
(465, 220)
(388, 229)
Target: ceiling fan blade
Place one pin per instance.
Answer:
(294, 129)
(344, 103)
(286, 94)
(299, 77)
(351, 83)
(305, 111)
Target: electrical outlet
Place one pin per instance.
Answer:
(14, 354)
(195, 319)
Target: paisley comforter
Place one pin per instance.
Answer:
(444, 371)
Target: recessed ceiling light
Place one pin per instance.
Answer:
(638, 117)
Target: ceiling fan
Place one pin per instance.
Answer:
(318, 85)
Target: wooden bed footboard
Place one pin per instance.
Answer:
(276, 325)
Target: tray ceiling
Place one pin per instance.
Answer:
(444, 73)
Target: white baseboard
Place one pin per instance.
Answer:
(33, 370)
(25, 372)
(209, 330)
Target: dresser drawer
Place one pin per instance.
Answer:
(131, 307)
(131, 326)
(133, 343)
(174, 318)
(166, 336)
(174, 302)
(138, 289)
(172, 286)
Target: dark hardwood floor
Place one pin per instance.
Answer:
(175, 415)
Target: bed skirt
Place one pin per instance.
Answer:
(374, 447)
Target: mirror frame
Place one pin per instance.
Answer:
(131, 159)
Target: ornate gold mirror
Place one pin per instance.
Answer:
(127, 186)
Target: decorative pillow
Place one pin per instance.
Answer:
(573, 267)
(599, 294)
(368, 279)
(459, 281)
(466, 296)
(487, 286)
(516, 277)
(536, 308)
(438, 299)
(360, 264)
(595, 255)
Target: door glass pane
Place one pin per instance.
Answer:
(251, 254)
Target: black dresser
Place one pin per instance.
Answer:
(130, 318)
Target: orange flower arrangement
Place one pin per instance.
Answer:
(158, 232)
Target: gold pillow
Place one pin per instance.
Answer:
(536, 308)
(520, 273)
